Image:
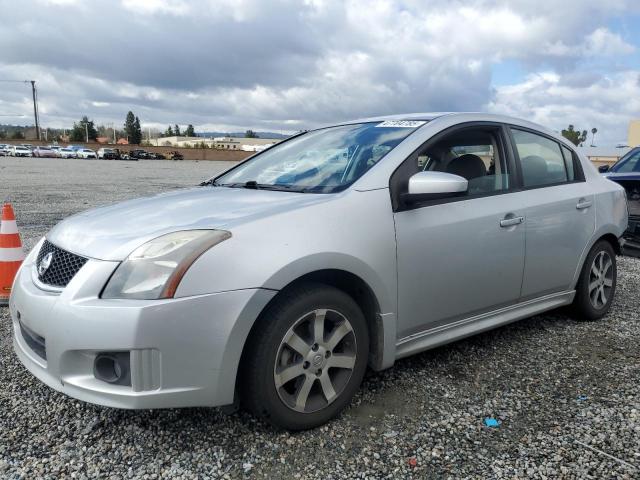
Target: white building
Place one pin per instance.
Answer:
(222, 143)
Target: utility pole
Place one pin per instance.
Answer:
(35, 107)
(86, 131)
(35, 101)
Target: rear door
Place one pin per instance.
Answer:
(559, 210)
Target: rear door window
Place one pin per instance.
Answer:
(541, 159)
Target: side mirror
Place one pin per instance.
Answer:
(429, 185)
(603, 168)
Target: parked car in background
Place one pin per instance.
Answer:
(55, 149)
(67, 153)
(86, 153)
(4, 150)
(27, 145)
(175, 155)
(155, 156)
(139, 154)
(20, 151)
(626, 172)
(75, 148)
(378, 239)
(108, 153)
(43, 152)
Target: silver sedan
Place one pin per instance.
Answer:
(279, 282)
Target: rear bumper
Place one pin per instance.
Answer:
(631, 238)
(182, 352)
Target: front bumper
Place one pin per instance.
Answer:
(183, 352)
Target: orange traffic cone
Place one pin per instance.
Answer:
(11, 254)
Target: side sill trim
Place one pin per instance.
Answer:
(466, 327)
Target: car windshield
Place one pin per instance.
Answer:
(322, 161)
(629, 163)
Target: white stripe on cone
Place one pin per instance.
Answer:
(8, 226)
(11, 254)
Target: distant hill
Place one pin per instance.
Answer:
(241, 134)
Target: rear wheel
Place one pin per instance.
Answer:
(306, 358)
(597, 283)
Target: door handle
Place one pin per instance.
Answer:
(583, 203)
(511, 221)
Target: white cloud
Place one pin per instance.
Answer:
(604, 42)
(285, 62)
(151, 7)
(606, 102)
(60, 2)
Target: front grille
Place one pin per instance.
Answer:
(35, 341)
(64, 265)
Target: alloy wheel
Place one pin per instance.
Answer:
(600, 280)
(315, 360)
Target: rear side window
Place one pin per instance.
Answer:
(568, 161)
(541, 159)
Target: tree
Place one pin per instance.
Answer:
(176, 130)
(594, 130)
(137, 136)
(168, 132)
(83, 130)
(130, 127)
(190, 132)
(574, 136)
(250, 134)
(17, 135)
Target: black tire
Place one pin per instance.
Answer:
(266, 347)
(583, 304)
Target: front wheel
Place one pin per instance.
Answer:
(306, 358)
(597, 283)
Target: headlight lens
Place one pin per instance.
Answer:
(155, 269)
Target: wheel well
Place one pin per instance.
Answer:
(361, 293)
(613, 240)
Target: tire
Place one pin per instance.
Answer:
(596, 286)
(291, 388)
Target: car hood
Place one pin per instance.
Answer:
(114, 231)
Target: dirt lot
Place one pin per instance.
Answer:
(566, 393)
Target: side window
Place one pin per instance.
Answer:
(541, 159)
(631, 164)
(474, 154)
(568, 162)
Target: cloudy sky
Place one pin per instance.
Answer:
(293, 64)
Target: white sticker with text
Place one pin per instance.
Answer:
(402, 123)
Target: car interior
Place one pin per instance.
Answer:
(473, 154)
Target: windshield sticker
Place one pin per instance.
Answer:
(402, 123)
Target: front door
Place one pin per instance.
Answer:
(464, 256)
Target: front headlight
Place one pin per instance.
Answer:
(155, 269)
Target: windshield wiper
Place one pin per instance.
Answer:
(253, 185)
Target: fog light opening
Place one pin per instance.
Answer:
(108, 369)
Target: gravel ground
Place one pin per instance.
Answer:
(566, 394)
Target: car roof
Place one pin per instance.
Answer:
(463, 116)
